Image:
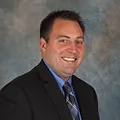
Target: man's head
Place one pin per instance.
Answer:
(48, 21)
(62, 42)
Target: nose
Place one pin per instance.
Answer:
(72, 47)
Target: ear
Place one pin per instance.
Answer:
(43, 44)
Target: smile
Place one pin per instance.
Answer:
(69, 59)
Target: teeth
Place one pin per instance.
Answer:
(69, 59)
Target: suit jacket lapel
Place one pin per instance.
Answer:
(54, 92)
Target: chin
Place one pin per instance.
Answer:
(70, 73)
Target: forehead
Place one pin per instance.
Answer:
(66, 27)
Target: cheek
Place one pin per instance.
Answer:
(58, 50)
(81, 50)
(52, 52)
(49, 52)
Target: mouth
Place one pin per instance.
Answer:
(69, 59)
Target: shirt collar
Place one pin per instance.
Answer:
(59, 80)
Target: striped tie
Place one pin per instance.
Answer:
(70, 100)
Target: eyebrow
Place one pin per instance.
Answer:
(65, 36)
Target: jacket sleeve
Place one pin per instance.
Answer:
(14, 104)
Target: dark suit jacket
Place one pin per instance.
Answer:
(36, 96)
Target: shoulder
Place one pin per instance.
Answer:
(81, 82)
(86, 88)
(24, 78)
(22, 82)
(22, 87)
(14, 97)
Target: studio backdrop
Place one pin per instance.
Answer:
(19, 44)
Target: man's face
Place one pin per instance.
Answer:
(65, 48)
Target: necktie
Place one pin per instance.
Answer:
(70, 100)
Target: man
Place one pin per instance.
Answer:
(50, 91)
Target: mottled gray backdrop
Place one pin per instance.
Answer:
(19, 44)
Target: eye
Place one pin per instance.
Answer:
(79, 42)
(63, 41)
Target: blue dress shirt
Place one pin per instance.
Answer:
(61, 82)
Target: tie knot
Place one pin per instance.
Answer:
(67, 87)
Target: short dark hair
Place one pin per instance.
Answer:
(47, 22)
